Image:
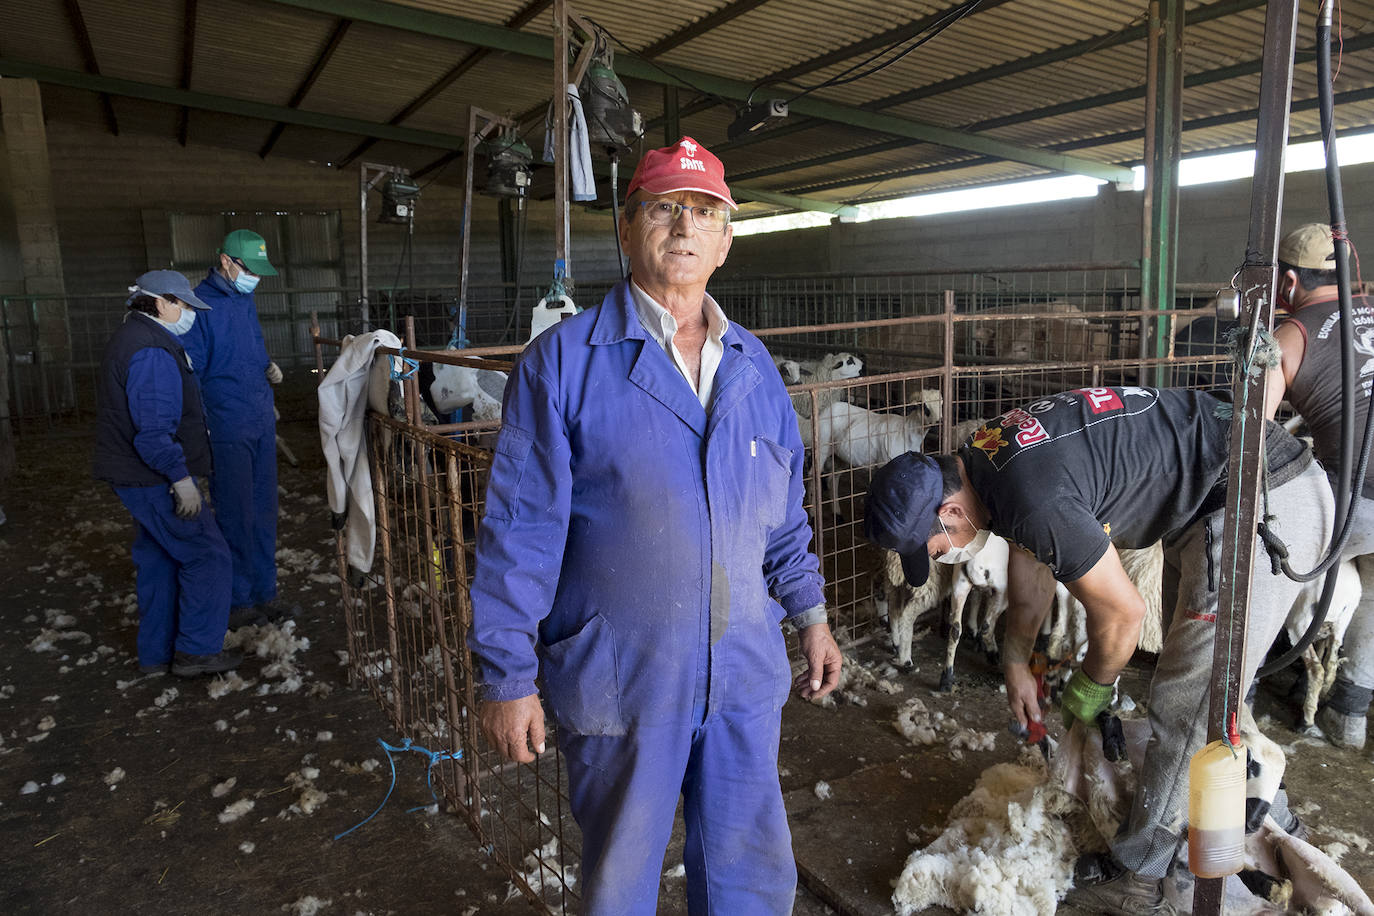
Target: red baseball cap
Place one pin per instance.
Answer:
(685, 166)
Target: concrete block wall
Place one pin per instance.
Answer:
(114, 190)
(1214, 220)
(30, 190)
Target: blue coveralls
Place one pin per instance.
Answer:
(628, 551)
(230, 359)
(182, 564)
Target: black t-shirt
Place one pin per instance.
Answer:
(1070, 473)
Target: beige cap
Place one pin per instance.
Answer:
(1309, 246)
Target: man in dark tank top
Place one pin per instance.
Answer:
(1309, 376)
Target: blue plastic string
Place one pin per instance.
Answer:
(406, 745)
(411, 365)
(556, 288)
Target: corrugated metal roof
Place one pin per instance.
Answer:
(1070, 77)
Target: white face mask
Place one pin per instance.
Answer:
(956, 555)
(181, 325)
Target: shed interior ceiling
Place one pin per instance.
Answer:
(1050, 76)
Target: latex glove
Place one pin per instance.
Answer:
(1084, 698)
(186, 497)
(273, 374)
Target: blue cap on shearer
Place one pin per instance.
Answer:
(903, 498)
(166, 283)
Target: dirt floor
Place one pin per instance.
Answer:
(115, 792)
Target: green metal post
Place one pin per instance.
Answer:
(1163, 133)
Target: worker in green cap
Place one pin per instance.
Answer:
(236, 377)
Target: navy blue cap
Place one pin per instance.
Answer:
(903, 498)
(166, 283)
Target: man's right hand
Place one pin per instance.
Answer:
(1023, 695)
(513, 727)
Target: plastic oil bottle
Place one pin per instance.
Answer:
(1216, 808)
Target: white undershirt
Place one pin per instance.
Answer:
(660, 324)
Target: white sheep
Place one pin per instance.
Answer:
(448, 388)
(829, 368)
(1068, 628)
(904, 604)
(980, 591)
(864, 438)
(1322, 658)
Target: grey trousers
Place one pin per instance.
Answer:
(1358, 648)
(1179, 692)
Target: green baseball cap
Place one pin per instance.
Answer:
(250, 248)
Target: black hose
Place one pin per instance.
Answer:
(1346, 500)
(615, 213)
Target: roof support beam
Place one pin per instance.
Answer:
(891, 36)
(1206, 77)
(528, 12)
(188, 56)
(83, 38)
(1231, 117)
(227, 105)
(502, 38)
(683, 35)
(321, 61)
(1053, 55)
(794, 202)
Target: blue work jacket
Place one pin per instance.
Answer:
(636, 551)
(230, 360)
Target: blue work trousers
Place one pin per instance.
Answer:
(183, 577)
(624, 793)
(244, 490)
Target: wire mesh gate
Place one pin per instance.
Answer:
(948, 371)
(407, 625)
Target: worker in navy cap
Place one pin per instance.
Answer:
(151, 444)
(1068, 479)
(237, 376)
(644, 538)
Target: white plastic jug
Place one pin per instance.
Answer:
(546, 314)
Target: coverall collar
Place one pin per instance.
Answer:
(221, 285)
(654, 372)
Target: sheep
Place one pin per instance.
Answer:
(980, 587)
(1067, 626)
(864, 438)
(1321, 659)
(447, 388)
(905, 604)
(831, 367)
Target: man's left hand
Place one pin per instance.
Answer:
(273, 374)
(823, 660)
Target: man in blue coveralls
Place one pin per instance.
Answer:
(644, 537)
(150, 446)
(236, 377)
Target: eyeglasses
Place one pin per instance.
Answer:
(242, 266)
(666, 212)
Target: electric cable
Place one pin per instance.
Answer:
(666, 72)
(843, 78)
(615, 212)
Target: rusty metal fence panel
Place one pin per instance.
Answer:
(941, 361)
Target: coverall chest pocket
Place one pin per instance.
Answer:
(772, 478)
(581, 681)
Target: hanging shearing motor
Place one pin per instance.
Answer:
(399, 194)
(612, 125)
(508, 165)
